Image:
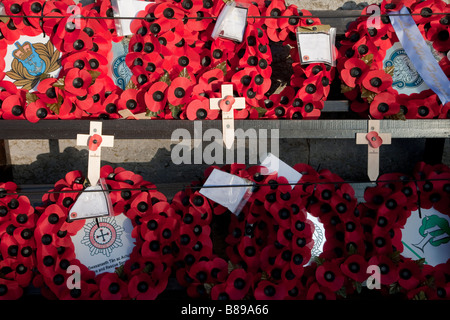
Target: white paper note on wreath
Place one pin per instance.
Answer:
(274, 164)
(104, 244)
(428, 237)
(234, 193)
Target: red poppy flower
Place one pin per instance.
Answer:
(409, 274)
(38, 110)
(179, 91)
(355, 267)
(77, 82)
(198, 108)
(423, 108)
(388, 271)
(377, 81)
(13, 106)
(317, 292)
(354, 71)
(156, 96)
(168, 17)
(266, 290)
(10, 290)
(112, 287)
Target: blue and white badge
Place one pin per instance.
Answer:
(120, 72)
(31, 59)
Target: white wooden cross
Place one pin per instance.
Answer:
(94, 141)
(227, 116)
(374, 139)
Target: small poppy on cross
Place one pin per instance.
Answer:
(374, 139)
(227, 104)
(94, 141)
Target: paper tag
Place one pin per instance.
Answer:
(93, 202)
(231, 23)
(233, 198)
(428, 237)
(104, 244)
(126, 8)
(274, 164)
(120, 72)
(316, 45)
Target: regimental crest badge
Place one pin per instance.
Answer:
(102, 236)
(32, 62)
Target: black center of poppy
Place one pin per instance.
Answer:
(380, 242)
(77, 83)
(94, 63)
(41, 113)
(382, 221)
(78, 64)
(269, 291)
(293, 21)
(239, 283)
(310, 88)
(217, 54)
(78, 44)
(15, 8)
(326, 194)
(250, 251)
(150, 67)
(354, 267)
(250, 93)
(36, 7)
(179, 92)
(375, 82)
(114, 288)
(405, 274)
(251, 41)
(17, 110)
(155, 28)
(279, 111)
(148, 47)
(259, 80)
(3, 211)
(309, 21)
(263, 63)
(350, 226)
(383, 107)
(168, 13)
(423, 111)
(426, 12)
(252, 60)
(275, 12)
(329, 276)
(363, 49)
(372, 32)
(341, 208)
(201, 114)
(131, 104)
(142, 78)
(111, 108)
(262, 48)
(142, 286)
(246, 80)
(183, 61)
(355, 72)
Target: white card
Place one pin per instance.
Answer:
(91, 203)
(105, 243)
(233, 198)
(274, 164)
(428, 237)
(231, 23)
(126, 8)
(316, 47)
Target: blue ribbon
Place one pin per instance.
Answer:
(420, 54)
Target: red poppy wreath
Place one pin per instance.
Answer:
(406, 221)
(268, 245)
(379, 78)
(137, 268)
(56, 64)
(17, 245)
(177, 65)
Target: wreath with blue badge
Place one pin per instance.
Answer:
(377, 75)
